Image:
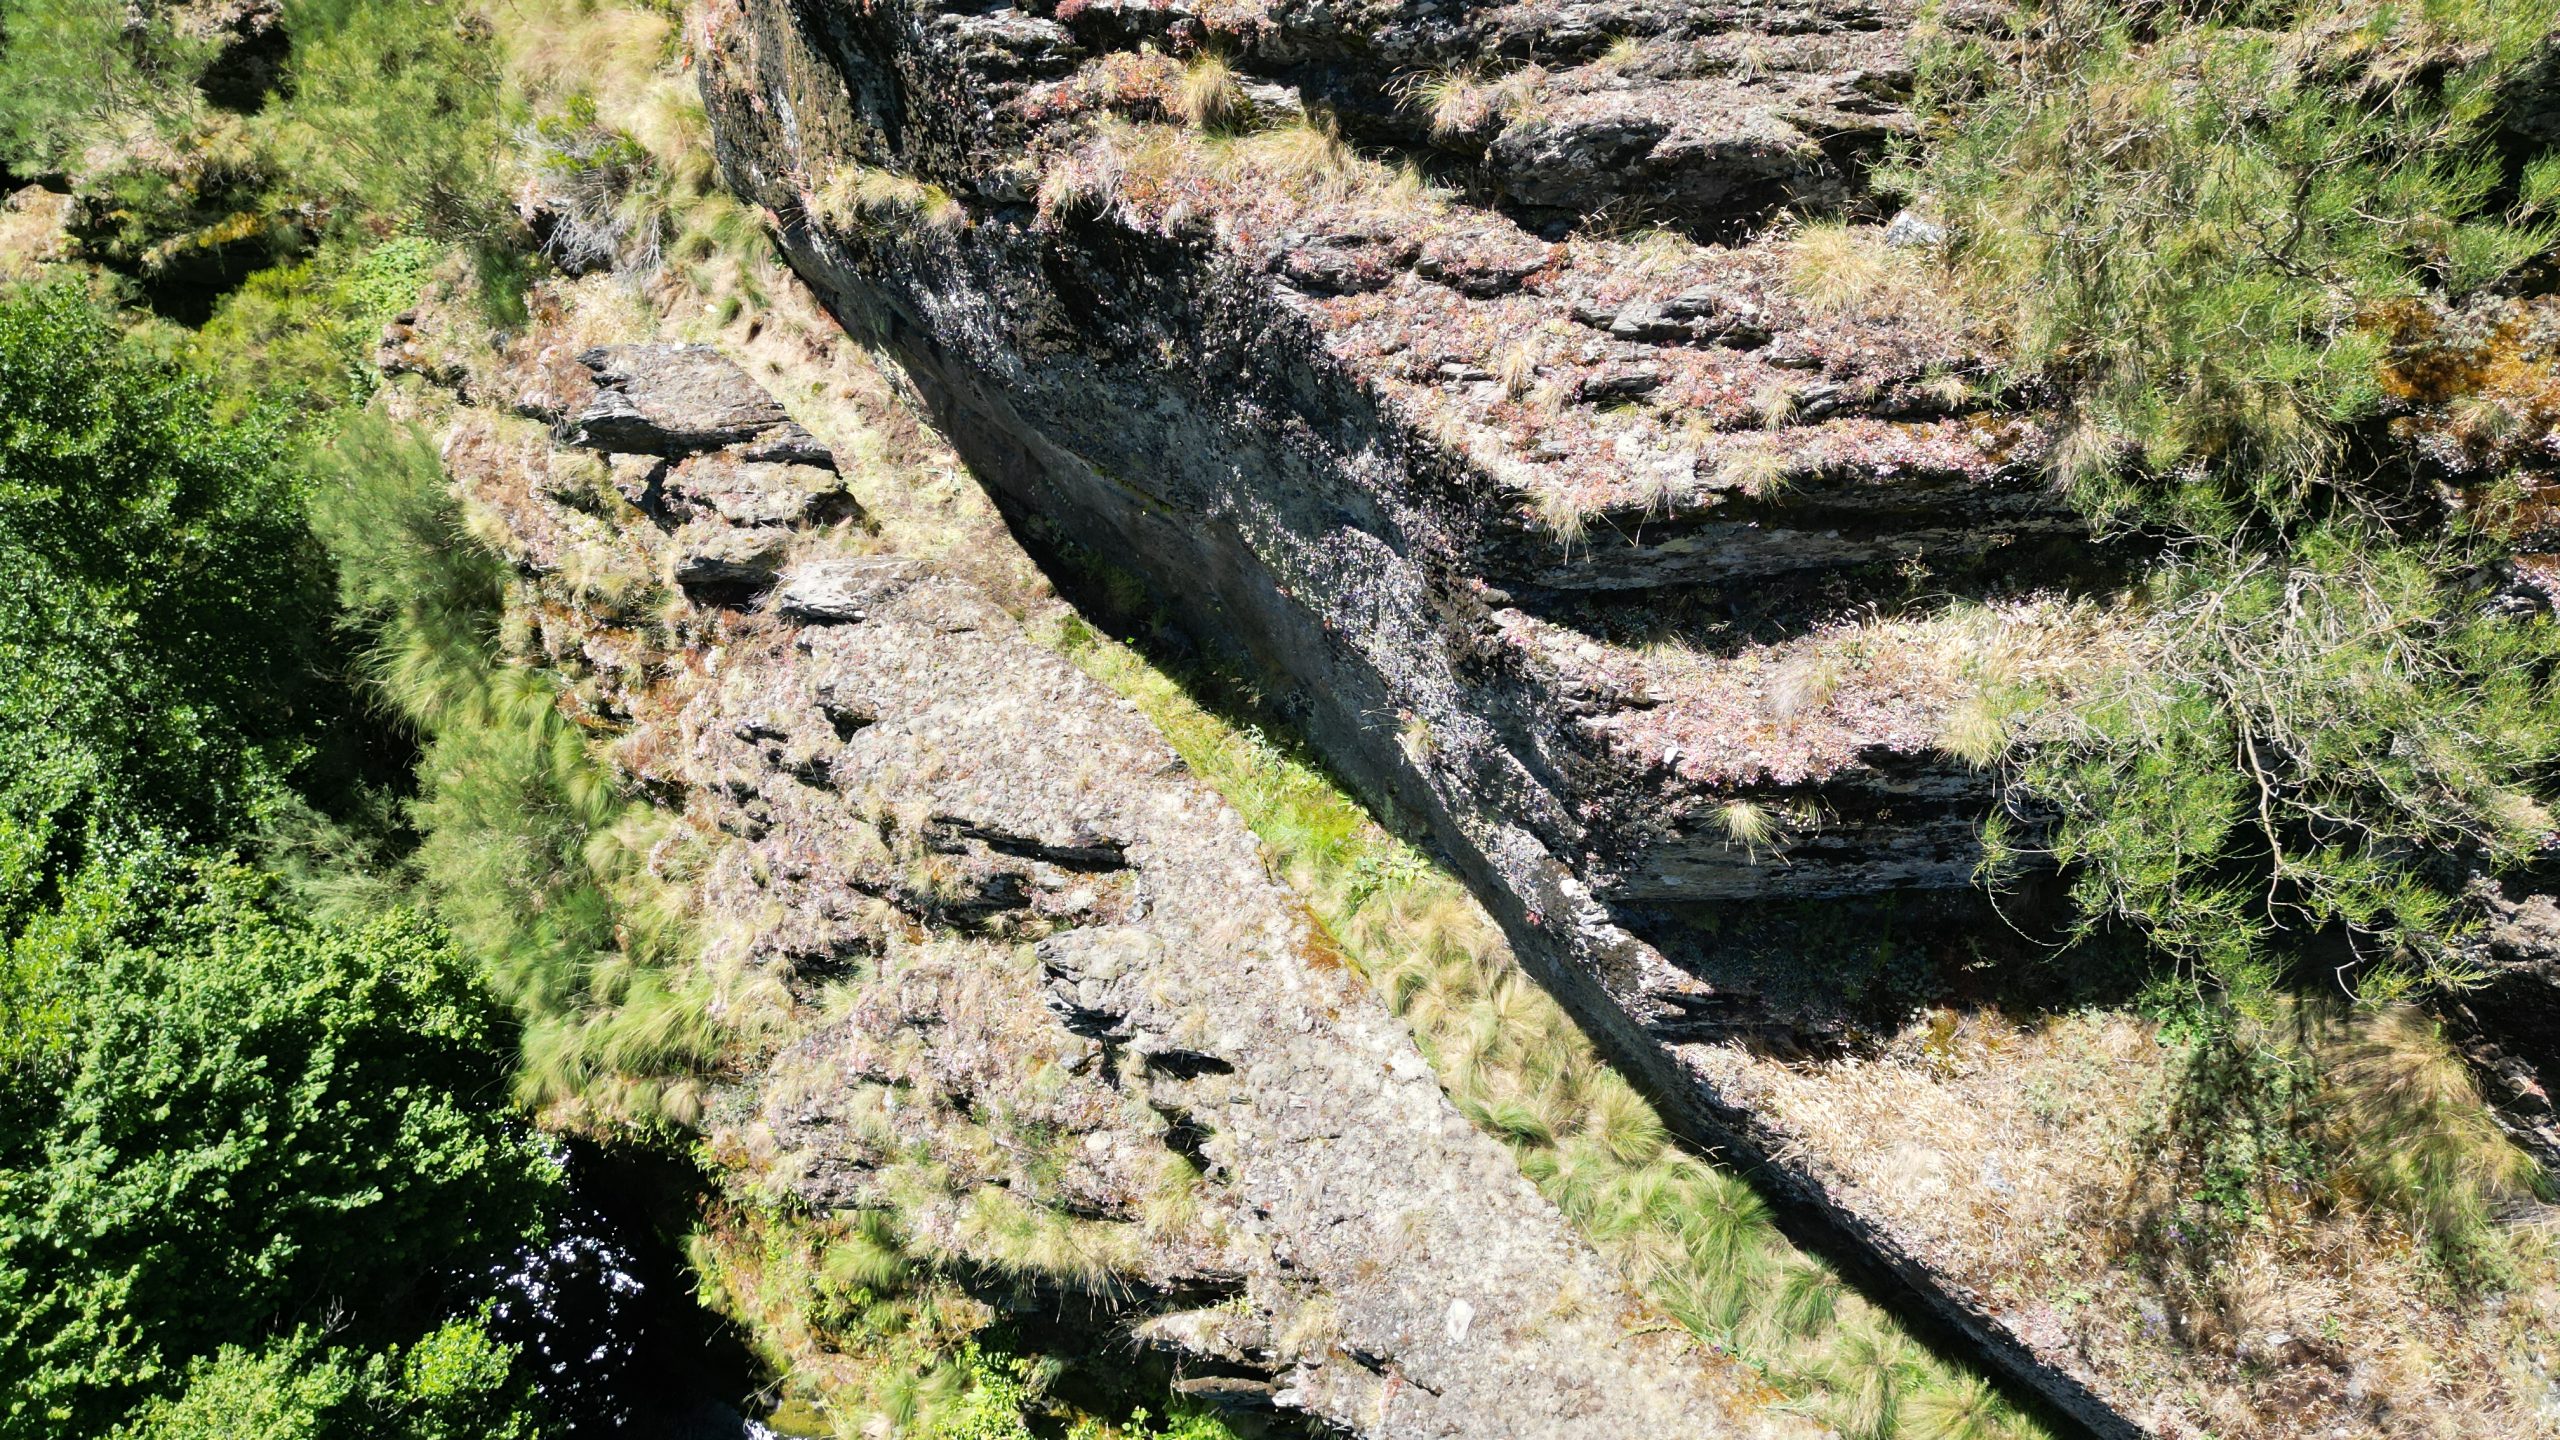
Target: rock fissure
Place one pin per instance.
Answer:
(1039, 963)
(1354, 438)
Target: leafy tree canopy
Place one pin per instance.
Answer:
(162, 603)
(235, 1123)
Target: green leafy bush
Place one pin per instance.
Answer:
(220, 1119)
(161, 603)
(453, 1384)
(249, 1119)
(304, 334)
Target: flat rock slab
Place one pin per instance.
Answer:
(670, 400)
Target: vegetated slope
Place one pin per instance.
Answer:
(1624, 564)
(854, 1331)
(542, 863)
(209, 1072)
(538, 865)
(988, 969)
(1694, 1239)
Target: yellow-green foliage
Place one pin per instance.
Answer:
(533, 854)
(305, 333)
(2272, 765)
(1697, 1240)
(2404, 1116)
(2190, 227)
(2184, 221)
(861, 197)
(2320, 1108)
(870, 1339)
(1208, 95)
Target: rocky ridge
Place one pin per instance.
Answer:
(1592, 552)
(1037, 992)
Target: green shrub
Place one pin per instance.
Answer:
(394, 113)
(2325, 1106)
(454, 1384)
(528, 846)
(2183, 223)
(385, 119)
(162, 616)
(2320, 746)
(2192, 226)
(75, 72)
(304, 334)
(285, 1391)
(614, 201)
(249, 1118)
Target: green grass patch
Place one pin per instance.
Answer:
(1697, 1240)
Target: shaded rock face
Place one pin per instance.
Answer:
(2511, 1021)
(1052, 961)
(2533, 106)
(1442, 480)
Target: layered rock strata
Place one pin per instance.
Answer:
(1040, 996)
(1593, 548)
(1561, 544)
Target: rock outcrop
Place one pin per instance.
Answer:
(1046, 1003)
(1591, 550)
(1561, 545)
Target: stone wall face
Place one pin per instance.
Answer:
(1004, 913)
(1288, 418)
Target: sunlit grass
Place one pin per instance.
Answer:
(1696, 1240)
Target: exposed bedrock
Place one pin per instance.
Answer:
(1438, 479)
(1046, 983)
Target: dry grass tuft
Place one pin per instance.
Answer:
(1465, 104)
(861, 197)
(1756, 474)
(1623, 54)
(1208, 96)
(1805, 683)
(1839, 269)
(2404, 1111)
(1564, 515)
(1306, 155)
(1747, 823)
(1774, 403)
(1086, 180)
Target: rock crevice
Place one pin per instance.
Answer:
(1034, 960)
(1433, 474)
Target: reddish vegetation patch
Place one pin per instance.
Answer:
(2477, 395)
